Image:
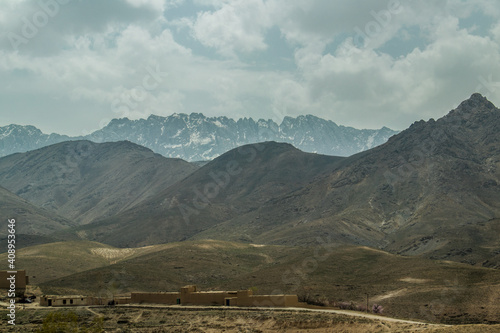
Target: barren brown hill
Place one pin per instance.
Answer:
(62, 258)
(431, 190)
(232, 185)
(83, 181)
(407, 287)
(33, 224)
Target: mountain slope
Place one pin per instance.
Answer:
(33, 225)
(406, 287)
(234, 184)
(30, 220)
(82, 181)
(431, 190)
(62, 258)
(195, 137)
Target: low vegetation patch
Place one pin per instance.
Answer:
(159, 320)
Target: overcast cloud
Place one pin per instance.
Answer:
(69, 66)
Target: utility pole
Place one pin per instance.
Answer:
(366, 302)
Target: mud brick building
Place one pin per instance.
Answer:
(69, 301)
(189, 295)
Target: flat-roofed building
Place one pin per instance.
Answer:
(189, 295)
(54, 300)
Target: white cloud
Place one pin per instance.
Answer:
(158, 5)
(361, 83)
(303, 21)
(238, 26)
(495, 32)
(93, 53)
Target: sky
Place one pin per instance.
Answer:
(70, 66)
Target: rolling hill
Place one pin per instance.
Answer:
(234, 184)
(409, 287)
(33, 225)
(29, 218)
(58, 259)
(83, 181)
(431, 190)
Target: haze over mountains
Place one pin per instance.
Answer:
(431, 190)
(195, 137)
(235, 184)
(36, 220)
(82, 180)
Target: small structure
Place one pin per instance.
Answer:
(121, 300)
(189, 295)
(21, 281)
(46, 300)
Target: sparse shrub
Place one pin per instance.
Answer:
(68, 322)
(377, 308)
(313, 300)
(350, 306)
(361, 308)
(342, 305)
(304, 297)
(324, 301)
(59, 322)
(346, 305)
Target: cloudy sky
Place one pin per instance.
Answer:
(69, 66)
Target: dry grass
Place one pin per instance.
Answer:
(144, 319)
(407, 287)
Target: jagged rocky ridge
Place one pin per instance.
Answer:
(431, 191)
(195, 137)
(20, 139)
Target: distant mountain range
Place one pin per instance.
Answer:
(267, 214)
(431, 190)
(20, 139)
(195, 137)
